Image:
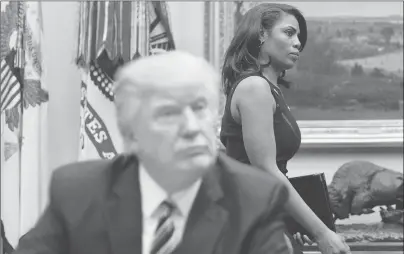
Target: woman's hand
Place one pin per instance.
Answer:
(332, 243)
(302, 239)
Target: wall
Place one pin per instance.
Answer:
(63, 80)
(188, 26)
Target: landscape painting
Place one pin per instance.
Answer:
(351, 69)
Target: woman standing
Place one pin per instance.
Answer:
(257, 126)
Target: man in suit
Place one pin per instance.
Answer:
(171, 192)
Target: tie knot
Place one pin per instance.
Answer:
(166, 208)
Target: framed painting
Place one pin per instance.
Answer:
(347, 88)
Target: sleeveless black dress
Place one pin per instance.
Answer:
(287, 132)
(287, 137)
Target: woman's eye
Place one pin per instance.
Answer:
(289, 33)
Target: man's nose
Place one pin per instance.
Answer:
(191, 124)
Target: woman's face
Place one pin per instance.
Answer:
(281, 44)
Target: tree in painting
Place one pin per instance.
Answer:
(387, 33)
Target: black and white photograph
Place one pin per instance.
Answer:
(203, 127)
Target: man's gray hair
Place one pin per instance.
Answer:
(136, 81)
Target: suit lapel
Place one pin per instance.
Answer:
(207, 218)
(123, 207)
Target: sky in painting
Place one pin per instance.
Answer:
(363, 9)
(325, 9)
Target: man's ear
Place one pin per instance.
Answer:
(134, 143)
(131, 143)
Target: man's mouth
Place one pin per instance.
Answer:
(195, 150)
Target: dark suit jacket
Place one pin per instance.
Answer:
(95, 208)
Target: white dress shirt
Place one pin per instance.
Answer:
(152, 196)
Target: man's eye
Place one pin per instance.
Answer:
(169, 112)
(199, 107)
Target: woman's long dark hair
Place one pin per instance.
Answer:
(241, 57)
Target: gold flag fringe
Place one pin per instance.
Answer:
(121, 29)
(19, 56)
(81, 35)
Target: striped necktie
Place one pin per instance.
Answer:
(164, 242)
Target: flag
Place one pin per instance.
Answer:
(10, 86)
(98, 58)
(34, 170)
(161, 38)
(110, 34)
(10, 123)
(24, 131)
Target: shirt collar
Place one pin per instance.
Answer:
(153, 195)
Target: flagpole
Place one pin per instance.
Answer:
(1, 156)
(19, 64)
(43, 182)
(1, 180)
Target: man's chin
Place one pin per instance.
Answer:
(197, 162)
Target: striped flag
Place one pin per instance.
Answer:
(112, 33)
(10, 86)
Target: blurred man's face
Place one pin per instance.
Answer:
(175, 127)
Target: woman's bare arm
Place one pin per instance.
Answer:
(256, 104)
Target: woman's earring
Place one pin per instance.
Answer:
(261, 42)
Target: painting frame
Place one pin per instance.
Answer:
(219, 30)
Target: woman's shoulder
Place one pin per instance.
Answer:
(254, 84)
(254, 94)
(254, 90)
